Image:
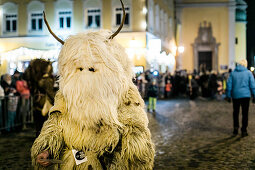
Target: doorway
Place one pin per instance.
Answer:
(205, 58)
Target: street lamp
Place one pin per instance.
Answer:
(180, 49)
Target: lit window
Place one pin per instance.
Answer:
(36, 21)
(94, 18)
(119, 14)
(10, 23)
(65, 19)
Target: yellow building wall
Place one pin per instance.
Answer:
(78, 14)
(191, 18)
(138, 16)
(107, 14)
(240, 48)
(22, 17)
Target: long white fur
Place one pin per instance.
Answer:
(100, 111)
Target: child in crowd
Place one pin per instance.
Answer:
(168, 88)
(152, 94)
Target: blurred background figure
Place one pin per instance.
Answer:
(40, 81)
(141, 84)
(152, 94)
(15, 77)
(1, 108)
(162, 85)
(23, 90)
(212, 84)
(10, 102)
(8, 85)
(168, 89)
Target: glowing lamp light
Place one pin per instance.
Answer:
(155, 73)
(180, 49)
(145, 10)
(252, 68)
(144, 25)
(135, 43)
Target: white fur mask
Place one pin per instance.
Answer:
(94, 73)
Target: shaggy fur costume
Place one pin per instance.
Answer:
(98, 110)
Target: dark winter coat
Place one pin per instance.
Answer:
(153, 91)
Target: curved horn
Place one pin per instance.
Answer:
(54, 35)
(122, 22)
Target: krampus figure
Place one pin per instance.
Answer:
(40, 81)
(98, 119)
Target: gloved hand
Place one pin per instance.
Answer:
(228, 99)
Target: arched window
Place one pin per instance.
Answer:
(118, 13)
(35, 17)
(64, 13)
(151, 15)
(10, 18)
(93, 13)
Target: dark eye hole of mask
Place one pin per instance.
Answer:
(80, 68)
(92, 69)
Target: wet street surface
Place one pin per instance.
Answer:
(187, 135)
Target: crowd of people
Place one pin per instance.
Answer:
(14, 101)
(211, 85)
(205, 84)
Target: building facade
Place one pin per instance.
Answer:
(213, 33)
(147, 34)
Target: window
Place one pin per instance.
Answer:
(94, 18)
(65, 19)
(10, 22)
(119, 14)
(36, 21)
(9, 12)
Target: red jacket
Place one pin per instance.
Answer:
(22, 88)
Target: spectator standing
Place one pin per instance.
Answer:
(12, 109)
(240, 86)
(168, 89)
(15, 77)
(10, 102)
(8, 85)
(141, 84)
(162, 85)
(152, 94)
(23, 90)
(168, 78)
(212, 84)
(1, 109)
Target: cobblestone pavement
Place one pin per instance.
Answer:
(197, 135)
(187, 134)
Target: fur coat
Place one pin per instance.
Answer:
(99, 113)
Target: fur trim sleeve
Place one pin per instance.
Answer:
(51, 138)
(137, 147)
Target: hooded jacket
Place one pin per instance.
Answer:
(240, 83)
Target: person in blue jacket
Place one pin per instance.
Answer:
(240, 87)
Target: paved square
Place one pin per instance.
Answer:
(187, 134)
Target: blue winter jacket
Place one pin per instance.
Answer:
(240, 83)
